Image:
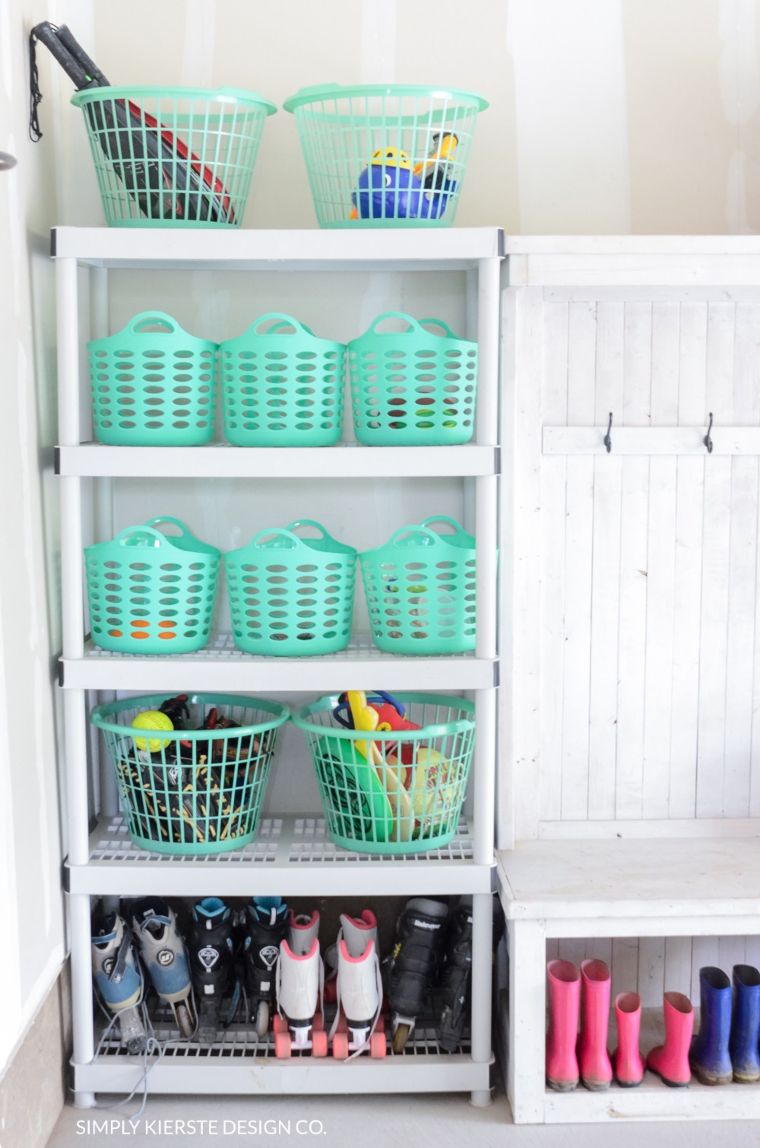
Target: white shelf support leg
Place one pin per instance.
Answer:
(482, 945)
(527, 1021)
(81, 990)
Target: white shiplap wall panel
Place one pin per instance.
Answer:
(690, 472)
(581, 370)
(715, 569)
(649, 646)
(660, 569)
(605, 585)
(552, 605)
(631, 676)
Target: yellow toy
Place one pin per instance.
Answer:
(152, 719)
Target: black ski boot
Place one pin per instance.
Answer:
(212, 967)
(264, 924)
(413, 966)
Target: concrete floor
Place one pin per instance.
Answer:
(358, 1122)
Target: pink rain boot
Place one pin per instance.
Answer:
(595, 1065)
(670, 1061)
(627, 1061)
(564, 1006)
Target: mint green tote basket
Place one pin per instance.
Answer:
(192, 791)
(173, 157)
(393, 793)
(385, 155)
(282, 385)
(421, 589)
(153, 384)
(291, 596)
(413, 387)
(150, 592)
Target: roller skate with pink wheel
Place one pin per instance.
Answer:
(299, 1024)
(358, 1026)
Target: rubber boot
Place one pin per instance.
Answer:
(118, 976)
(412, 967)
(670, 1061)
(594, 1060)
(265, 926)
(627, 1061)
(745, 1025)
(709, 1057)
(212, 966)
(562, 1035)
(299, 984)
(163, 953)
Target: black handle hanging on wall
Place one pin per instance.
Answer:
(707, 440)
(607, 440)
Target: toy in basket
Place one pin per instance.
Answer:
(392, 771)
(385, 155)
(421, 589)
(191, 770)
(151, 592)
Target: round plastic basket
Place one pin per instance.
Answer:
(414, 387)
(192, 791)
(282, 386)
(173, 157)
(153, 384)
(385, 155)
(421, 590)
(393, 792)
(150, 592)
(291, 596)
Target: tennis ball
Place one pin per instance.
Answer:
(152, 719)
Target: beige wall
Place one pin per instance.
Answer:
(607, 116)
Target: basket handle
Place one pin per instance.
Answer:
(323, 533)
(291, 540)
(439, 323)
(160, 319)
(281, 320)
(420, 535)
(447, 520)
(140, 536)
(411, 322)
(185, 531)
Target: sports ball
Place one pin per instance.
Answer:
(152, 719)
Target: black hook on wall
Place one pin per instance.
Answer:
(707, 440)
(608, 437)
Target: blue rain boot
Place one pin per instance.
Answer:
(709, 1057)
(745, 1025)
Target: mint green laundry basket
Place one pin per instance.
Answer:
(385, 155)
(173, 157)
(192, 791)
(282, 385)
(153, 384)
(393, 793)
(291, 596)
(150, 592)
(414, 387)
(421, 589)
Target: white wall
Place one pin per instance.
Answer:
(606, 116)
(32, 948)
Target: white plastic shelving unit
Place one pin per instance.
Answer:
(629, 821)
(292, 854)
